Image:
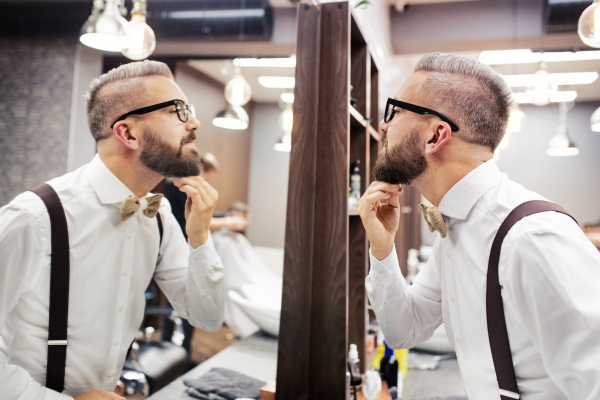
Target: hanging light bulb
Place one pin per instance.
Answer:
(515, 119)
(542, 90)
(141, 37)
(561, 144)
(237, 91)
(286, 119)
(285, 142)
(588, 27)
(105, 30)
(232, 117)
(595, 120)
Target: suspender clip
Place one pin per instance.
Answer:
(510, 394)
(57, 342)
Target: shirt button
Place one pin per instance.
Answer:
(129, 235)
(126, 272)
(194, 260)
(384, 273)
(110, 374)
(452, 298)
(121, 308)
(457, 340)
(447, 254)
(116, 342)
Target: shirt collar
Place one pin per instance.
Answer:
(108, 187)
(461, 198)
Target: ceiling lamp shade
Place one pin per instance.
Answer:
(561, 144)
(286, 119)
(237, 91)
(232, 117)
(542, 90)
(142, 41)
(595, 120)
(588, 27)
(106, 30)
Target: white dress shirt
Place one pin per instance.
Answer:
(549, 273)
(112, 262)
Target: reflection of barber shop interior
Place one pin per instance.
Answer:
(289, 95)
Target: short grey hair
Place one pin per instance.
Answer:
(120, 88)
(472, 93)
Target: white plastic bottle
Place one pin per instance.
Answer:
(354, 361)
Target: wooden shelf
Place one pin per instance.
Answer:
(357, 116)
(374, 133)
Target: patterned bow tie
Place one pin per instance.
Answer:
(132, 203)
(434, 219)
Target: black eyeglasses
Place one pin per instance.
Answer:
(183, 110)
(390, 112)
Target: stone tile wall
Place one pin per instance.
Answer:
(36, 79)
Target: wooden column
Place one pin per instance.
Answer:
(313, 333)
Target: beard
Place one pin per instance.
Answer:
(401, 164)
(167, 160)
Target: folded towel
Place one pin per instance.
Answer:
(224, 383)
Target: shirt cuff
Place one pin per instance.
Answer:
(387, 271)
(206, 251)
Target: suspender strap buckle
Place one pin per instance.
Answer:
(510, 394)
(57, 342)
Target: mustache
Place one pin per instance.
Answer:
(189, 138)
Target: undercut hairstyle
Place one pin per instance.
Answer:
(121, 88)
(473, 95)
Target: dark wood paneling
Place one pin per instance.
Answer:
(357, 295)
(358, 77)
(294, 334)
(328, 326)
(374, 109)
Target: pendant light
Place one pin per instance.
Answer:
(286, 121)
(515, 119)
(232, 117)
(237, 91)
(542, 89)
(595, 120)
(561, 144)
(588, 27)
(141, 37)
(105, 30)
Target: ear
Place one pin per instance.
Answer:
(123, 132)
(438, 138)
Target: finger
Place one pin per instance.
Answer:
(197, 186)
(375, 198)
(211, 191)
(394, 200)
(383, 187)
(194, 197)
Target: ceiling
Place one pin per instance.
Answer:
(222, 71)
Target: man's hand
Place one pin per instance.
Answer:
(380, 220)
(199, 207)
(99, 395)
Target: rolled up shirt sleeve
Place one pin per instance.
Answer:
(192, 279)
(407, 315)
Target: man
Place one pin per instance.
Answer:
(548, 270)
(114, 249)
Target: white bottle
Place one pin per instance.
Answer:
(353, 360)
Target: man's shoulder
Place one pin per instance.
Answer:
(66, 187)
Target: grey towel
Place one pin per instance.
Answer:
(223, 384)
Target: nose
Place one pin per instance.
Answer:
(383, 125)
(193, 123)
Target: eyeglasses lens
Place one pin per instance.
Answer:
(389, 113)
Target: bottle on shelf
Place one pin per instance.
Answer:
(355, 179)
(354, 365)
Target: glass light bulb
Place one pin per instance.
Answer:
(141, 39)
(238, 92)
(588, 27)
(515, 120)
(542, 90)
(106, 31)
(286, 119)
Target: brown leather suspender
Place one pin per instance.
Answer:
(59, 286)
(496, 323)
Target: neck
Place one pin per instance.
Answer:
(443, 173)
(127, 168)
